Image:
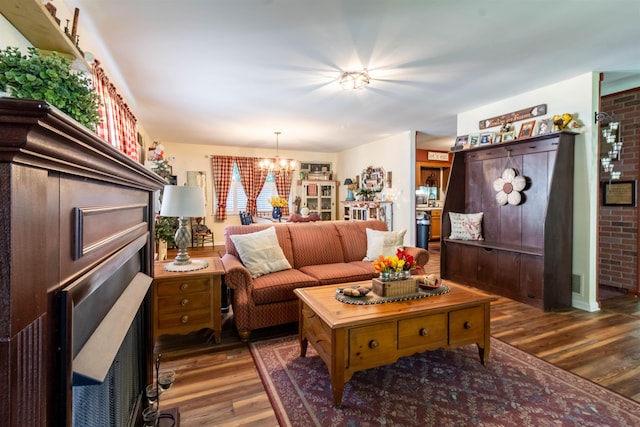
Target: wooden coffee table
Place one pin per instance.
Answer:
(351, 338)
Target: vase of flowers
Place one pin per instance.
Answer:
(277, 203)
(396, 267)
(408, 263)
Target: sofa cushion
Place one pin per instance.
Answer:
(328, 274)
(282, 232)
(353, 237)
(385, 243)
(315, 243)
(260, 252)
(279, 286)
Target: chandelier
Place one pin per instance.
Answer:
(354, 79)
(276, 164)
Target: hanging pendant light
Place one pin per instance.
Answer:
(276, 164)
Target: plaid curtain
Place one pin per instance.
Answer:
(222, 167)
(252, 180)
(118, 125)
(283, 185)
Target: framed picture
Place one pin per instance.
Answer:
(526, 130)
(508, 136)
(462, 140)
(619, 193)
(486, 138)
(545, 126)
(474, 140)
(497, 138)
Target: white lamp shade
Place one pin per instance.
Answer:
(182, 201)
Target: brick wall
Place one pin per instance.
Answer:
(618, 225)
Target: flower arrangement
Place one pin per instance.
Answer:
(401, 261)
(409, 261)
(278, 202)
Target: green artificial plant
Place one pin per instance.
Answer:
(51, 79)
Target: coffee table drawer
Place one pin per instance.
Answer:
(371, 346)
(466, 326)
(426, 332)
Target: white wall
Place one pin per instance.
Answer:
(12, 37)
(578, 96)
(395, 154)
(195, 157)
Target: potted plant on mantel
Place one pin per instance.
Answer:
(49, 78)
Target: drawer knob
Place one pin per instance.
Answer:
(184, 286)
(184, 319)
(373, 344)
(184, 302)
(468, 325)
(424, 332)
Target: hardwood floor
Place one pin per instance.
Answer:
(218, 385)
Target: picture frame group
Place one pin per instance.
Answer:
(527, 129)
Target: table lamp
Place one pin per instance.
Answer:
(348, 182)
(183, 202)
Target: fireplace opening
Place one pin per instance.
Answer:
(104, 344)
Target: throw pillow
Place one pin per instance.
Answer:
(260, 252)
(385, 243)
(466, 226)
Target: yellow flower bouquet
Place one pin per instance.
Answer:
(278, 202)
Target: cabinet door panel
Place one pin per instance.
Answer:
(531, 277)
(461, 262)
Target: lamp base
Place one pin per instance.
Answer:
(350, 197)
(195, 264)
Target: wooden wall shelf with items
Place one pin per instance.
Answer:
(526, 253)
(37, 25)
(319, 196)
(363, 211)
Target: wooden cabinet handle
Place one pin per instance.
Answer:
(184, 319)
(184, 286)
(424, 332)
(373, 344)
(468, 325)
(184, 302)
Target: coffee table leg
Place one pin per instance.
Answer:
(338, 389)
(484, 355)
(303, 346)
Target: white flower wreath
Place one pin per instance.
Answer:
(509, 186)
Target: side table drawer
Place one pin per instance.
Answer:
(427, 332)
(466, 326)
(183, 286)
(371, 346)
(184, 302)
(187, 320)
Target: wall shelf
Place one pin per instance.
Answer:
(36, 24)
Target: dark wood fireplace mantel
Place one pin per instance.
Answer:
(69, 202)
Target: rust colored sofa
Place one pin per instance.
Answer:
(320, 253)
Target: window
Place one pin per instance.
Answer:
(237, 198)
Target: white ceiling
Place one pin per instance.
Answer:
(228, 72)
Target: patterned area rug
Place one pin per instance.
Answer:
(438, 388)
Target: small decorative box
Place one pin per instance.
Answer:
(394, 288)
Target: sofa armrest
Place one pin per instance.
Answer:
(420, 255)
(236, 276)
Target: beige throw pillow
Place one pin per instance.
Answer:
(466, 226)
(385, 243)
(260, 252)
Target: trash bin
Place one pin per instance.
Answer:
(423, 232)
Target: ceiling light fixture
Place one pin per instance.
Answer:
(354, 79)
(276, 164)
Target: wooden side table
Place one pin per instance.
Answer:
(188, 301)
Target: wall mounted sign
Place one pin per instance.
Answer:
(435, 155)
(619, 193)
(527, 113)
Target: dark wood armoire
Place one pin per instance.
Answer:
(76, 236)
